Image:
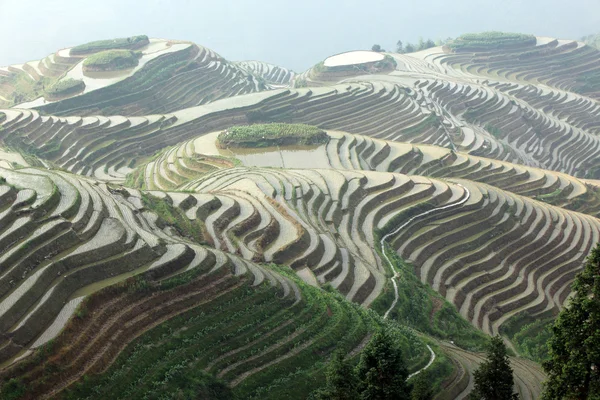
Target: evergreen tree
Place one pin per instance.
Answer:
(494, 377)
(341, 380)
(381, 370)
(399, 47)
(409, 48)
(376, 48)
(574, 365)
(422, 387)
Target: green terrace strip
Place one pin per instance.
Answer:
(490, 40)
(65, 87)
(111, 60)
(261, 345)
(132, 42)
(265, 135)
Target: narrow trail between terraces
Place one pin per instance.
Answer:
(397, 274)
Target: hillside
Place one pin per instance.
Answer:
(180, 223)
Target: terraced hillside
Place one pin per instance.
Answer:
(273, 75)
(138, 259)
(177, 165)
(170, 75)
(329, 222)
(65, 237)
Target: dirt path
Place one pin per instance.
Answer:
(397, 273)
(528, 375)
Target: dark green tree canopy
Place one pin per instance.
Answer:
(573, 367)
(494, 377)
(422, 389)
(382, 371)
(341, 380)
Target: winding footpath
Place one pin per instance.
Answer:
(396, 275)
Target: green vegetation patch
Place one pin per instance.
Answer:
(132, 42)
(111, 60)
(174, 217)
(66, 87)
(486, 41)
(264, 135)
(246, 326)
(529, 335)
(592, 40)
(421, 308)
(24, 87)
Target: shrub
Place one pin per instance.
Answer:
(263, 135)
(111, 60)
(486, 41)
(66, 87)
(13, 389)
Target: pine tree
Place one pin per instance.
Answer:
(422, 387)
(494, 377)
(574, 365)
(399, 47)
(341, 380)
(381, 370)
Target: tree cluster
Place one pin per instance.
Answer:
(410, 47)
(574, 365)
(421, 45)
(380, 374)
(494, 377)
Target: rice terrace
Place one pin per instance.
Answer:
(175, 225)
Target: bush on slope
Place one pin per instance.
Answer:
(66, 87)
